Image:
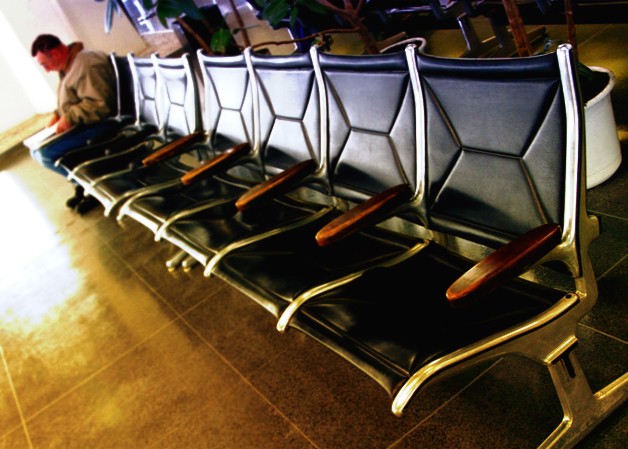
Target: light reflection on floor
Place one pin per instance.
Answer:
(31, 239)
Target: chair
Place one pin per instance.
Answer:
(503, 166)
(289, 149)
(229, 130)
(133, 127)
(370, 153)
(175, 105)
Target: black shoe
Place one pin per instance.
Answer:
(74, 201)
(87, 203)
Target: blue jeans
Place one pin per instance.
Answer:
(76, 138)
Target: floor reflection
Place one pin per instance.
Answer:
(31, 248)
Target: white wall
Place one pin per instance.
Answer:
(25, 88)
(14, 109)
(86, 17)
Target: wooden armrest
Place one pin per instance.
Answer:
(216, 164)
(506, 262)
(172, 148)
(371, 211)
(276, 185)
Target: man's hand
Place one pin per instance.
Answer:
(53, 119)
(63, 125)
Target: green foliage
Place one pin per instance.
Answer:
(221, 40)
(274, 11)
(168, 9)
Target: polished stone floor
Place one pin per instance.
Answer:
(102, 347)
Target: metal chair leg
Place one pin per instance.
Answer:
(176, 260)
(583, 409)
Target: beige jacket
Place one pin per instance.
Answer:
(86, 91)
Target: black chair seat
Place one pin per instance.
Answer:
(130, 158)
(213, 229)
(120, 139)
(392, 321)
(277, 269)
(118, 186)
(156, 209)
(227, 124)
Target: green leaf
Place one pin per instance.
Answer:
(276, 11)
(189, 8)
(294, 15)
(147, 4)
(167, 9)
(220, 41)
(174, 8)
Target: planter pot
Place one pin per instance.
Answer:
(603, 154)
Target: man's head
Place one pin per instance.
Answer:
(50, 52)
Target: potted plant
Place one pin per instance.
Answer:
(347, 14)
(603, 152)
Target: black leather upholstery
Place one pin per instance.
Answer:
(289, 132)
(390, 322)
(228, 121)
(493, 186)
(180, 97)
(496, 163)
(228, 105)
(371, 124)
(289, 111)
(125, 92)
(372, 146)
(146, 91)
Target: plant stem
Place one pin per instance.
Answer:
(311, 36)
(352, 16)
(571, 26)
(245, 34)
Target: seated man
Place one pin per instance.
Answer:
(86, 95)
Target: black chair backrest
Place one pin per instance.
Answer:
(178, 100)
(371, 122)
(145, 81)
(503, 144)
(289, 111)
(228, 101)
(125, 95)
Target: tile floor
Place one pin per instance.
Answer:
(102, 347)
